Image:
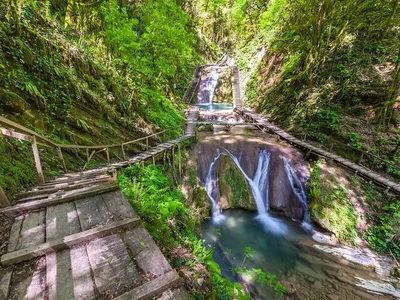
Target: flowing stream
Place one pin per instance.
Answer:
(210, 187)
(300, 193)
(207, 89)
(280, 246)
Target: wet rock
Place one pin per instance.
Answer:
(333, 297)
(324, 238)
(356, 256)
(379, 287)
(290, 288)
(318, 285)
(12, 103)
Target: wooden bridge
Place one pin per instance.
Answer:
(263, 123)
(77, 237)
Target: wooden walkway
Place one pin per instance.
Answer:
(77, 237)
(360, 170)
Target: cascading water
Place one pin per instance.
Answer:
(259, 186)
(298, 190)
(210, 185)
(207, 89)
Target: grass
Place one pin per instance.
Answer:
(331, 207)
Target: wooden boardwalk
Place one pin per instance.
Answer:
(77, 237)
(360, 170)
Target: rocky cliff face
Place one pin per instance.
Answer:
(233, 188)
(224, 90)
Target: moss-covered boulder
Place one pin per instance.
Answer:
(224, 90)
(233, 187)
(12, 103)
(330, 205)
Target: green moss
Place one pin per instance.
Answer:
(192, 175)
(17, 168)
(12, 103)
(233, 186)
(26, 52)
(331, 207)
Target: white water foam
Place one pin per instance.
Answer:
(298, 190)
(259, 186)
(210, 185)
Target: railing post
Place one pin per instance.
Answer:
(60, 156)
(108, 155)
(87, 155)
(164, 137)
(3, 199)
(361, 157)
(179, 161)
(147, 143)
(37, 159)
(173, 158)
(123, 152)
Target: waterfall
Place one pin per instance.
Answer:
(298, 190)
(259, 186)
(210, 185)
(207, 89)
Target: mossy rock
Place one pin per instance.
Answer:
(12, 103)
(330, 206)
(27, 55)
(233, 187)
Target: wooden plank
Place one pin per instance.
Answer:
(5, 284)
(30, 284)
(14, 233)
(14, 125)
(81, 274)
(114, 271)
(36, 157)
(63, 192)
(3, 199)
(59, 276)
(61, 220)
(77, 194)
(32, 231)
(152, 288)
(147, 255)
(118, 205)
(61, 157)
(51, 190)
(66, 242)
(16, 135)
(93, 212)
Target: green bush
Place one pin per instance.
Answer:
(162, 208)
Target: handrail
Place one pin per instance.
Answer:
(32, 137)
(8, 123)
(322, 146)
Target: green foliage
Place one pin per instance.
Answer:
(384, 235)
(17, 167)
(262, 278)
(354, 138)
(330, 205)
(162, 207)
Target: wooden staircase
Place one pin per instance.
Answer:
(77, 237)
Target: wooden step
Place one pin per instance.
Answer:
(153, 288)
(69, 196)
(43, 193)
(66, 242)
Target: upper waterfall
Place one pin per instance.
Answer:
(207, 88)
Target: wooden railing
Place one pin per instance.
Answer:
(8, 128)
